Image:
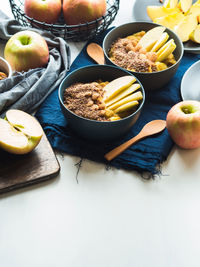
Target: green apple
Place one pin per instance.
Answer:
(20, 132)
(26, 50)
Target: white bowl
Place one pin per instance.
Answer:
(190, 83)
(5, 67)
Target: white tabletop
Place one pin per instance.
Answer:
(109, 218)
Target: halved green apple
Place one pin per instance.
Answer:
(20, 132)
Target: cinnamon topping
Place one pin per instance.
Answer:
(85, 100)
(128, 54)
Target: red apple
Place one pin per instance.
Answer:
(82, 11)
(43, 10)
(26, 50)
(183, 124)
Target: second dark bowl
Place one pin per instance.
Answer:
(91, 129)
(153, 80)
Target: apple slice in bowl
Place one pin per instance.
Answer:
(20, 132)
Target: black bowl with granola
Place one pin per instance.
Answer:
(92, 112)
(121, 48)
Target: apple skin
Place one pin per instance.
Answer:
(183, 124)
(82, 11)
(43, 10)
(26, 50)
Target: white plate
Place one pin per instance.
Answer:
(140, 14)
(190, 84)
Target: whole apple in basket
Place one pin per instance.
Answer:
(183, 124)
(82, 11)
(43, 10)
(26, 50)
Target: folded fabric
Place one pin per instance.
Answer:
(26, 91)
(144, 156)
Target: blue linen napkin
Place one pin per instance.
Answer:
(144, 156)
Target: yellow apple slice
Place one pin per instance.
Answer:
(126, 106)
(186, 27)
(132, 97)
(116, 86)
(185, 5)
(160, 11)
(150, 37)
(20, 132)
(115, 118)
(196, 3)
(166, 50)
(195, 11)
(166, 3)
(195, 35)
(161, 41)
(170, 21)
(131, 89)
(170, 3)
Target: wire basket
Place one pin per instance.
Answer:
(81, 32)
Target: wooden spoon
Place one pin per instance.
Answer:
(95, 51)
(150, 128)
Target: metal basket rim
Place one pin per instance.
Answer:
(64, 26)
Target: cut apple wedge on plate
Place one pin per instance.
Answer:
(20, 132)
(195, 11)
(185, 5)
(195, 35)
(166, 3)
(116, 86)
(131, 89)
(166, 50)
(160, 11)
(170, 21)
(149, 39)
(186, 27)
(170, 3)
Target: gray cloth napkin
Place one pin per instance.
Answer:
(27, 90)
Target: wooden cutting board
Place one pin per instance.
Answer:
(18, 171)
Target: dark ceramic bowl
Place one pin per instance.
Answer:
(91, 129)
(154, 80)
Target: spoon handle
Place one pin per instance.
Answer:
(118, 150)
